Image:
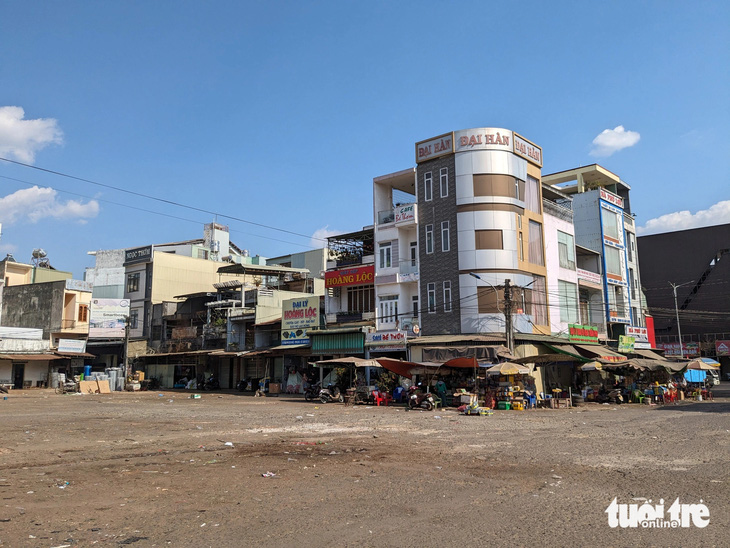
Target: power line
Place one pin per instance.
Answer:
(162, 200)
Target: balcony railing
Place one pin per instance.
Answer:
(68, 324)
(408, 267)
(385, 217)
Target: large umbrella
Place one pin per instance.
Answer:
(508, 368)
(703, 364)
(592, 366)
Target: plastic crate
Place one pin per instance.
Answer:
(504, 405)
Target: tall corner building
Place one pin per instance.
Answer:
(479, 211)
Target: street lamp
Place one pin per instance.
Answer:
(507, 312)
(676, 311)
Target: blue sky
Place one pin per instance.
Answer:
(281, 113)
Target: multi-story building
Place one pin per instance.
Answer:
(605, 225)
(695, 264)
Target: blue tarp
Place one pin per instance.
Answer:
(695, 375)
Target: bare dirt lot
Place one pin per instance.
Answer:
(153, 469)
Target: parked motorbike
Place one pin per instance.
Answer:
(331, 394)
(311, 393)
(212, 384)
(417, 400)
(244, 385)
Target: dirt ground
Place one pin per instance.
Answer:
(154, 469)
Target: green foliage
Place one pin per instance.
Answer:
(387, 381)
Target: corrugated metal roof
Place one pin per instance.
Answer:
(29, 357)
(446, 339)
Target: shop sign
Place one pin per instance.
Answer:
(73, 346)
(529, 151)
(722, 348)
(138, 255)
(611, 198)
(297, 316)
(483, 139)
(405, 213)
(640, 335)
(360, 275)
(691, 350)
(79, 285)
(625, 344)
(108, 318)
(587, 275)
(583, 333)
(386, 341)
(435, 147)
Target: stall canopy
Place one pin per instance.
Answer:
(508, 368)
(703, 364)
(348, 362)
(442, 354)
(600, 352)
(592, 366)
(640, 364)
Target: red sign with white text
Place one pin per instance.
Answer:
(361, 275)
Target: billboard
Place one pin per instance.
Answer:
(298, 316)
(583, 333)
(360, 275)
(107, 318)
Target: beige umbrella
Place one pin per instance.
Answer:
(592, 366)
(703, 364)
(508, 368)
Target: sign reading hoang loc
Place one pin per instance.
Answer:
(361, 275)
(583, 333)
(297, 317)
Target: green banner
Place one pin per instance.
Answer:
(626, 343)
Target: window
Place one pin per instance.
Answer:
(610, 224)
(83, 313)
(631, 247)
(568, 302)
(445, 243)
(522, 248)
(414, 254)
(431, 298)
(133, 319)
(360, 299)
(386, 255)
(532, 195)
(613, 261)
(488, 299)
(488, 239)
(414, 301)
(632, 283)
(634, 315)
(536, 301)
(389, 309)
(447, 296)
(133, 282)
(202, 254)
(566, 250)
(429, 239)
(534, 250)
(427, 186)
(444, 182)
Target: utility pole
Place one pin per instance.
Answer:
(508, 328)
(676, 311)
(126, 350)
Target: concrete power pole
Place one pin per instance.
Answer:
(508, 327)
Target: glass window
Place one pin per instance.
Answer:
(447, 296)
(386, 257)
(632, 283)
(532, 195)
(429, 238)
(414, 300)
(83, 313)
(568, 302)
(133, 319)
(631, 247)
(613, 261)
(445, 243)
(389, 309)
(566, 250)
(133, 282)
(360, 299)
(431, 298)
(522, 248)
(535, 299)
(444, 182)
(427, 186)
(534, 249)
(610, 224)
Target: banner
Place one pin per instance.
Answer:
(107, 318)
(361, 275)
(583, 333)
(625, 344)
(722, 348)
(297, 316)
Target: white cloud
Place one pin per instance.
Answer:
(20, 139)
(717, 214)
(320, 236)
(35, 204)
(613, 140)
